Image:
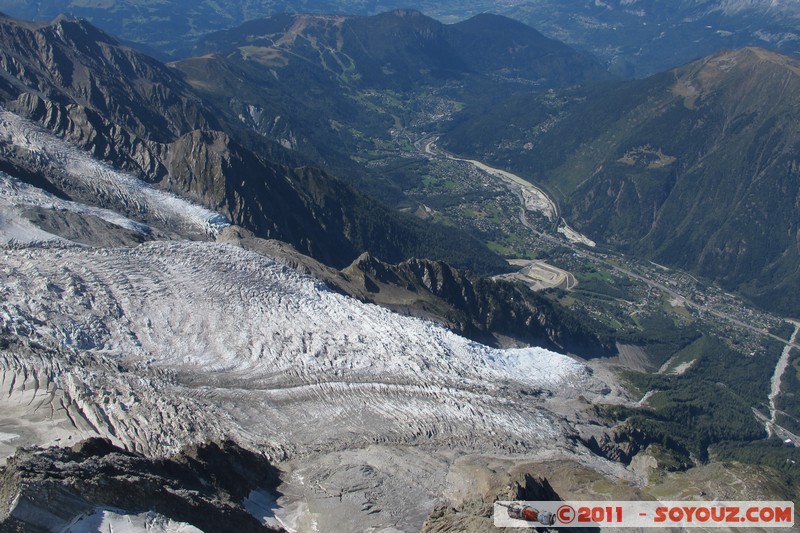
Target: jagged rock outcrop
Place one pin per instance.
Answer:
(69, 61)
(474, 306)
(625, 442)
(475, 515)
(89, 130)
(205, 486)
(621, 445)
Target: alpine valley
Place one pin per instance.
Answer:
(332, 272)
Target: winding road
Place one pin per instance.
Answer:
(543, 204)
(533, 198)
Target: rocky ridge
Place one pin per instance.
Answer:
(493, 311)
(205, 486)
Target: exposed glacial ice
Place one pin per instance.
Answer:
(285, 360)
(120, 522)
(104, 181)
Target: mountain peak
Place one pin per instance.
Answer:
(726, 60)
(407, 13)
(764, 55)
(64, 17)
(494, 18)
(740, 70)
(79, 31)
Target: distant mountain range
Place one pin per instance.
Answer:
(695, 167)
(403, 48)
(633, 37)
(642, 37)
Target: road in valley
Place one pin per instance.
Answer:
(533, 199)
(579, 243)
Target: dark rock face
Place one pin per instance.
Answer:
(72, 62)
(625, 441)
(621, 446)
(476, 514)
(530, 488)
(203, 486)
(478, 307)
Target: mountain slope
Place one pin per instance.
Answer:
(507, 49)
(340, 89)
(140, 116)
(70, 61)
(695, 167)
(642, 37)
(301, 205)
(404, 48)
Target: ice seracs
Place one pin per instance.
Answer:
(286, 360)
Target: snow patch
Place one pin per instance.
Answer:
(119, 522)
(262, 505)
(8, 437)
(106, 182)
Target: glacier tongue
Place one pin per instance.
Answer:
(16, 195)
(172, 342)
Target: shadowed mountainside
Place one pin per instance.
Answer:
(131, 111)
(695, 167)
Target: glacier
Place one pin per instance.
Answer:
(176, 342)
(103, 182)
(213, 323)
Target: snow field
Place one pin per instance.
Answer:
(266, 346)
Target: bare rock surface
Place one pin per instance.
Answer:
(64, 488)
